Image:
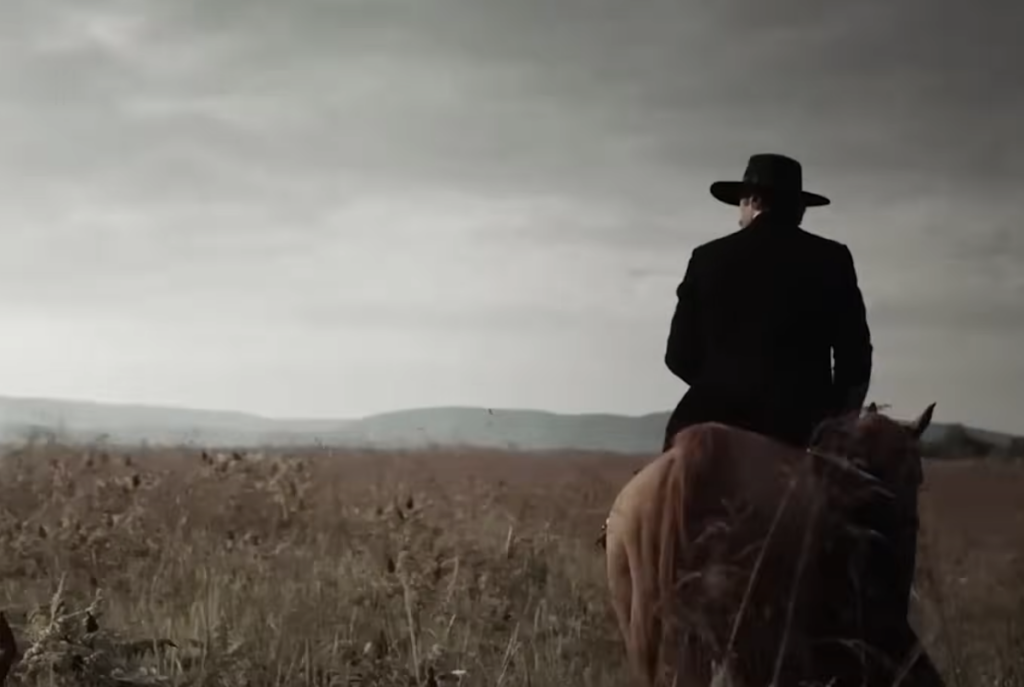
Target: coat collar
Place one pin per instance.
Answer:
(766, 223)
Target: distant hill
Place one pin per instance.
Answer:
(520, 429)
(528, 430)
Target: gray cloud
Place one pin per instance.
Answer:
(519, 182)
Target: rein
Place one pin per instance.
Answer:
(842, 464)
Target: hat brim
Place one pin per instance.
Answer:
(732, 192)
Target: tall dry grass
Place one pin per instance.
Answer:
(329, 568)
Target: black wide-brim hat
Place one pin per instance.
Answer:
(770, 173)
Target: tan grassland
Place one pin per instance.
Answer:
(438, 567)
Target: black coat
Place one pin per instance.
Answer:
(760, 316)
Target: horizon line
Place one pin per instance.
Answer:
(300, 419)
(279, 418)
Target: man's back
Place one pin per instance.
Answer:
(760, 314)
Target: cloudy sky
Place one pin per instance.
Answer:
(339, 207)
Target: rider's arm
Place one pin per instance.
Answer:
(682, 354)
(851, 343)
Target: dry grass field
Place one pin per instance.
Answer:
(435, 568)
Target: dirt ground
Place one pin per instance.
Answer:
(448, 567)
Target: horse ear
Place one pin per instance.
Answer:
(872, 407)
(918, 426)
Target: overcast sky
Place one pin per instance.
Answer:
(340, 207)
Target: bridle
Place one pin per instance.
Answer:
(842, 463)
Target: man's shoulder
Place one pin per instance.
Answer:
(821, 243)
(719, 244)
(738, 242)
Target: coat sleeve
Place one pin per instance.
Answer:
(683, 352)
(851, 343)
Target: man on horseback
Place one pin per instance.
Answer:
(770, 331)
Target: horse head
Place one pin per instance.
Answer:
(884, 447)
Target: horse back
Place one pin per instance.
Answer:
(686, 535)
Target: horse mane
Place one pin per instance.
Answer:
(834, 433)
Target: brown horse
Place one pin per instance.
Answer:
(732, 557)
